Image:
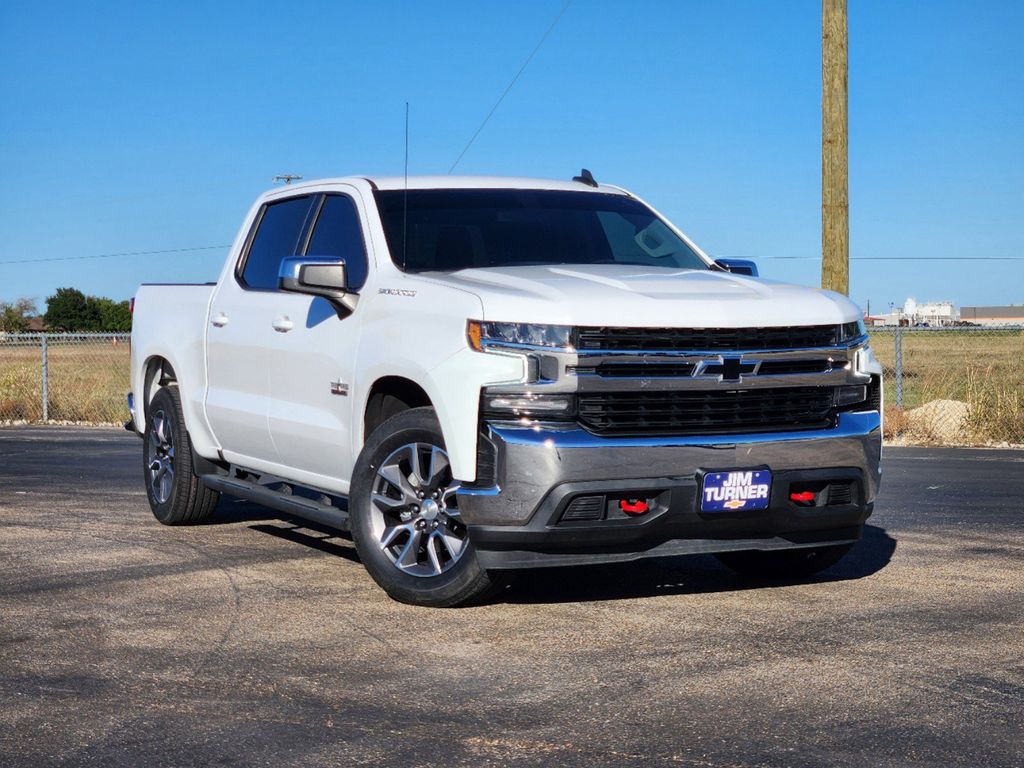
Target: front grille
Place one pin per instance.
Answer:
(655, 370)
(640, 370)
(778, 367)
(707, 412)
(688, 339)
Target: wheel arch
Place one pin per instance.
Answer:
(158, 372)
(386, 393)
(159, 369)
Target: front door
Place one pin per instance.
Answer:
(310, 384)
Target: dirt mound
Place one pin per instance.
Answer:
(941, 421)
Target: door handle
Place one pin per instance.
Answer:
(282, 324)
(219, 321)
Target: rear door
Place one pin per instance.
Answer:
(310, 405)
(241, 336)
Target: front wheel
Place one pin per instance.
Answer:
(784, 563)
(405, 518)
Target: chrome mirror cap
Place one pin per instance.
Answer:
(317, 276)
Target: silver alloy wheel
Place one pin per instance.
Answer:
(413, 511)
(161, 456)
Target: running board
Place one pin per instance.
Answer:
(310, 509)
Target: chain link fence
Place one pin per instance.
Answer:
(952, 386)
(64, 377)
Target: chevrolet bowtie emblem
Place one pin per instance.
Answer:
(730, 369)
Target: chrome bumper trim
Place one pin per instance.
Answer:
(849, 424)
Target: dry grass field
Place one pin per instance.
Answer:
(982, 368)
(88, 382)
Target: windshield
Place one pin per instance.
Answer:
(451, 229)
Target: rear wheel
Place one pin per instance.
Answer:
(176, 495)
(784, 563)
(405, 518)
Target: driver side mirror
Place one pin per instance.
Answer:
(317, 276)
(738, 266)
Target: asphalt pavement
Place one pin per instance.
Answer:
(256, 640)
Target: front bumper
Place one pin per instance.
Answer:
(519, 523)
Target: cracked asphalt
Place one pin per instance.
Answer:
(261, 641)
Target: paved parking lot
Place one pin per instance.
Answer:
(259, 641)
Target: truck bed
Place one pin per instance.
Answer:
(169, 321)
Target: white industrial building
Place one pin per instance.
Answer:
(914, 312)
(929, 312)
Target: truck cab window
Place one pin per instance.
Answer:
(276, 238)
(338, 234)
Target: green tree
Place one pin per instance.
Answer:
(14, 316)
(115, 316)
(71, 310)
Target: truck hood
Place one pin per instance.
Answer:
(623, 295)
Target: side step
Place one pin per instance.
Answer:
(301, 506)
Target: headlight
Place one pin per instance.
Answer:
(851, 331)
(486, 334)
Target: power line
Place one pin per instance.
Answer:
(115, 255)
(511, 83)
(897, 258)
(788, 258)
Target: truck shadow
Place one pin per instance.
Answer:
(320, 538)
(679, 575)
(682, 575)
(283, 526)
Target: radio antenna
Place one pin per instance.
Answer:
(508, 87)
(405, 194)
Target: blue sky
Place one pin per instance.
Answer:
(143, 126)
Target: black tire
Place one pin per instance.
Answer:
(784, 563)
(177, 498)
(464, 582)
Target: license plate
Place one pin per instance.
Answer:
(735, 490)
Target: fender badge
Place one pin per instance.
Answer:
(339, 388)
(396, 292)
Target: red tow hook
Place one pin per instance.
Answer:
(634, 506)
(803, 497)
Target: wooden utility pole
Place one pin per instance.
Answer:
(835, 199)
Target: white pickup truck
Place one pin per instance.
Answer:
(476, 376)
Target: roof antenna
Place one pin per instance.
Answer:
(585, 177)
(287, 178)
(405, 195)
